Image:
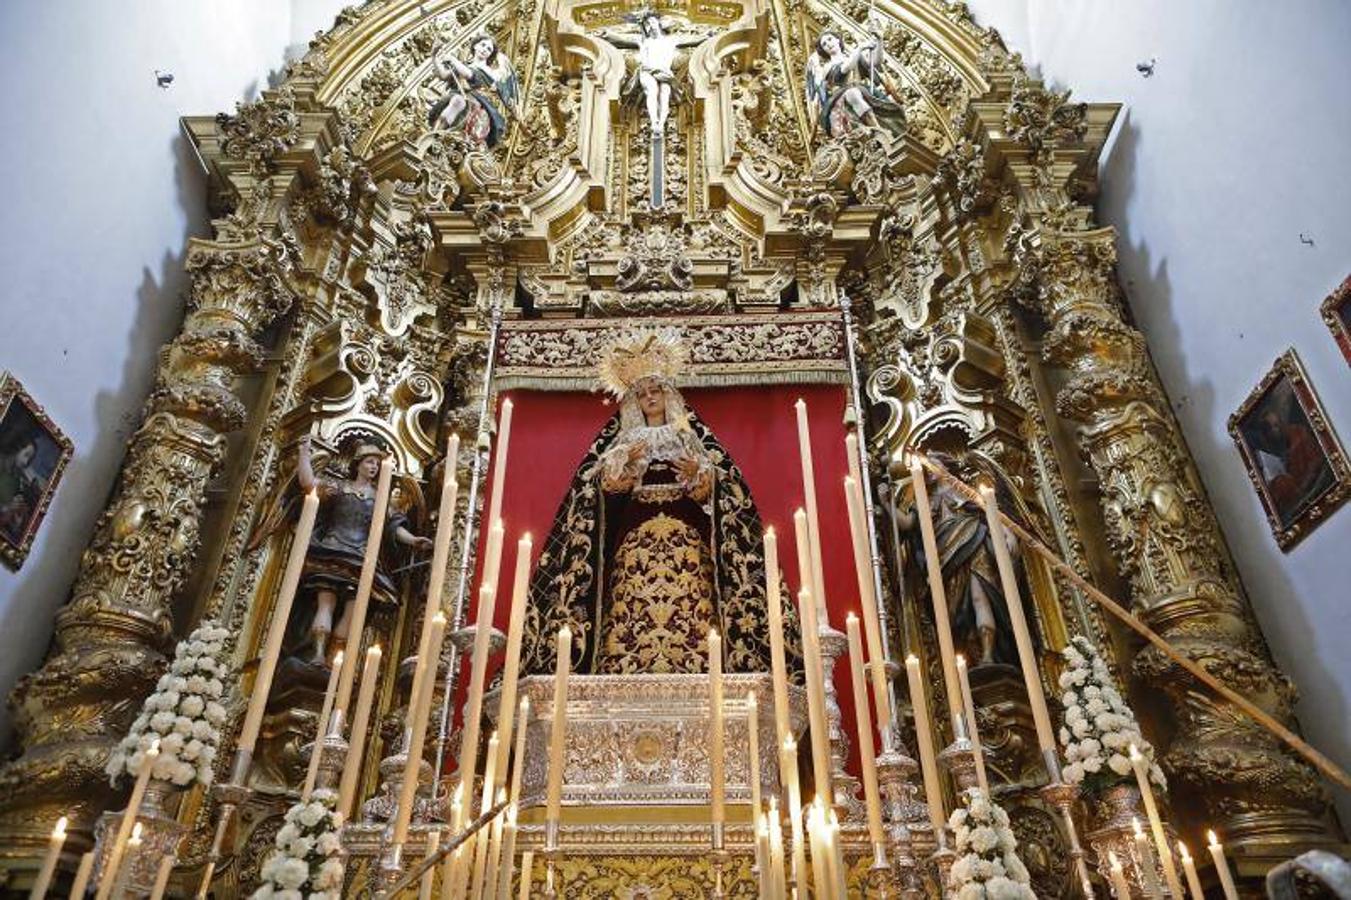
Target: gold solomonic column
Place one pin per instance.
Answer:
(1159, 525)
(111, 638)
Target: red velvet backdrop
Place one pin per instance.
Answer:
(551, 430)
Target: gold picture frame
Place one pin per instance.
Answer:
(33, 456)
(1293, 457)
(1336, 310)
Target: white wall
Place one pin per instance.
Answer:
(100, 193)
(1234, 147)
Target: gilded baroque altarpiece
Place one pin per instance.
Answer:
(373, 275)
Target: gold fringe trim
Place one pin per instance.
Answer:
(1258, 715)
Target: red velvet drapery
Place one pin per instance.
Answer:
(551, 431)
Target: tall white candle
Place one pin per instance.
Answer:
(494, 850)
(716, 746)
(788, 764)
(933, 794)
(473, 708)
(1120, 886)
(527, 873)
(777, 881)
(1221, 867)
(81, 882)
(108, 879)
(166, 869)
(1149, 877)
(972, 731)
(365, 582)
(865, 740)
(937, 594)
(505, 866)
(1189, 866)
(558, 733)
(351, 768)
(424, 891)
(49, 860)
(511, 667)
(316, 754)
(500, 460)
(753, 748)
(761, 825)
(1036, 696)
(418, 713)
(813, 517)
(1141, 767)
(482, 839)
(267, 661)
(777, 660)
(436, 577)
(872, 624)
(816, 698)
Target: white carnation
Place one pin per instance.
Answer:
(215, 713)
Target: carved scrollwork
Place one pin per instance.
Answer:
(261, 131)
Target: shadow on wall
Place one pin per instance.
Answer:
(71, 525)
(1146, 283)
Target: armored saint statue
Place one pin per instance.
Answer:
(977, 608)
(657, 539)
(482, 93)
(322, 611)
(847, 89)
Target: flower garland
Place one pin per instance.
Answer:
(987, 865)
(307, 864)
(184, 713)
(1099, 727)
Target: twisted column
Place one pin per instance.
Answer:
(1164, 537)
(110, 639)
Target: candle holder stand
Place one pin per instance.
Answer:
(942, 860)
(383, 806)
(1112, 832)
(903, 814)
(332, 750)
(719, 859)
(959, 758)
(390, 868)
(160, 835)
(1062, 796)
(230, 795)
(551, 855)
(844, 787)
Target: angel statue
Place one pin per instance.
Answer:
(338, 546)
(659, 55)
(848, 89)
(482, 93)
(977, 608)
(657, 539)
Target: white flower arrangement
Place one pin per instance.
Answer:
(987, 865)
(307, 864)
(1099, 727)
(184, 714)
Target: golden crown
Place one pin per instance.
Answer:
(638, 353)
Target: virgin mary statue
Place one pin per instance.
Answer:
(657, 539)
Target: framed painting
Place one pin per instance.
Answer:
(1293, 457)
(33, 455)
(1336, 311)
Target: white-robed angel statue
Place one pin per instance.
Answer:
(847, 89)
(483, 93)
(658, 59)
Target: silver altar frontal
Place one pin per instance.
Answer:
(642, 740)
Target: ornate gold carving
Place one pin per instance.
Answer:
(753, 347)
